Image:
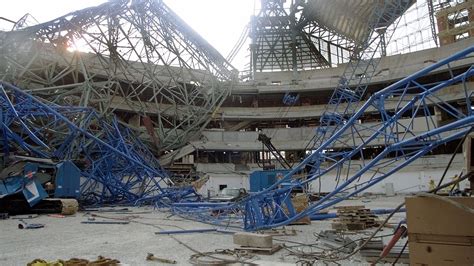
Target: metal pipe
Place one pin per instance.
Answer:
(185, 231)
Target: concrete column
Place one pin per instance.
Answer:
(443, 28)
(438, 116)
(468, 151)
(471, 20)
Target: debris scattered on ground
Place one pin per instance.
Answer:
(25, 225)
(56, 215)
(353, 218)
(279, 232)
(206, 230)
(371, 252)
(122, 218)
(266, 251)
(301, 203)
(226, 231)
(107, 210)
(221, 257)
(104, 222)
(101, 261)
(69, 206)
(151, 257)
(332, 239)
(24, 217)
(255, 243)
(246, 239)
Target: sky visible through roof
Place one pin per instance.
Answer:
(220, 22)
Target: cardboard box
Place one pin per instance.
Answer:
(440, 233)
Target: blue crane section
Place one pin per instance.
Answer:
(115, 165)
(403, 108)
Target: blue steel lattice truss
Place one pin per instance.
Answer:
(404, 107)
(116, 166)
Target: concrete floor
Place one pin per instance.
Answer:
(65, 238)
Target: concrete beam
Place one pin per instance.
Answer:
(390, 68)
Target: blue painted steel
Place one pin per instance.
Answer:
(115, 165)
(291, 98)
(66, 177)
(67, 180)
(323, 216)
(401, 106)
(200, 204)
(33, 191)
(260, 180)
(11, 185)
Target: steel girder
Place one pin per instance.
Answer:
(360, 70)
(128, 57)
(403, 144)
(283, 40)
(116, 166)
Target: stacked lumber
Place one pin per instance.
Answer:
(353, 218)
(301, 203)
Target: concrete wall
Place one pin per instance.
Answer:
(449, 94)
(289, 138)
(414, 178)
(390, 68)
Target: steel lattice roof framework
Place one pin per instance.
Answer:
(349, 18)
(133, 54)
(313, 34)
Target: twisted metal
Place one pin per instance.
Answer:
(136, 59)
(408, 129)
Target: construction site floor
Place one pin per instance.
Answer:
(65, 238)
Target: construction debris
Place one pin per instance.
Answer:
(301, 203)
(206, 230)
(353, 218)
(107, 90)
(372, 250)
(24, 217)
(279, 232)
(93, 221)
(25, 225)
(255, 243)
(151, 257)
(253, 240)
(69, 206)
(221, 257)
(101, 261)
(334, 240)
(135, 174)
(267, 251)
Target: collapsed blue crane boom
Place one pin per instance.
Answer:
(116, 166)
(403, 107)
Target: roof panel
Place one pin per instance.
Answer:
(349, 18)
